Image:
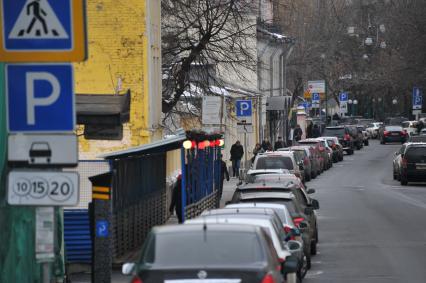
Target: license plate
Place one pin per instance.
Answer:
(395, 134)
(421, 166)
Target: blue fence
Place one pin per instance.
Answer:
(78, 243)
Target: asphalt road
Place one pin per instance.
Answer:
(371, 229)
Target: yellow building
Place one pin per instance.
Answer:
(124, 47)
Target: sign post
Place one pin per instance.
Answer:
(343, 98)
(41, 115)
(417, 102)
(244, 111)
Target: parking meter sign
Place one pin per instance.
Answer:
(244, 108)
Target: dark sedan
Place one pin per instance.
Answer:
(392, 134)
(208, 252)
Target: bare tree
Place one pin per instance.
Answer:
(204, 33)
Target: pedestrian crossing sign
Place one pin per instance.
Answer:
(42, 31)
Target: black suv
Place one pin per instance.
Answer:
(345, 136)
(413, 163)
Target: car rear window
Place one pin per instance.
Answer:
(393, 128)
(274, 162)
(287, 202)
(416, 154)
(334, 132)
(210, 248)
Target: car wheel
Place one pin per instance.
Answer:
(404, 181)
(394, 175)
(366, 143)
(313, 248)
(350, 151)
(341, 158)
(358, 146)
(308, 177)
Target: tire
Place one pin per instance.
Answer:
(404, 181)
(308, 177)
(394, 175)
(350, 151)
(341, 158)
(358, 146)
(314, 248)
(366, 143)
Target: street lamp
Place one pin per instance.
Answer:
(394, 102)
(350, 106)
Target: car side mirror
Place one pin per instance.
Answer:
(315, 204)
(309, 210)
(127, 268)
(310, 191)
(290, 265)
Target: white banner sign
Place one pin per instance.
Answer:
(211, 110)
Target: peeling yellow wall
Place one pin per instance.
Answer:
(118, 44)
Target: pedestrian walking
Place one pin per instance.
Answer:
(257, 149)
(279, 144)
(223, 174)
(316, 133)
(176, 203)
(237, 153)
(297, 133)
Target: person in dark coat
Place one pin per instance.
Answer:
(279, 144)
(309, 130)
(316, 133)
(297, 133)
(266, 145)
(237, 153)
(223, 174)
(257, 149)
(177, 199)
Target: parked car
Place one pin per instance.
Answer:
(332, 155)
(392, 134)
(216, 251)
(266, 222)
(413, 163)
(397, 162)
(289, 199)
(279, 160)
(302, 156)
(321, 150)
(373, 129)
(336, 146)
(365, 134)
(357, 135)
(315, 158)
(410, 127)
(344, 136)
(395, 121)
(421, 138)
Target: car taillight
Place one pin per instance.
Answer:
(136, 280)
(404, 162)
(297, 220)
(268, 279)
(347, 137)
(386, 133)
(404, 133)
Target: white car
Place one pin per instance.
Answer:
(373, 129)
(410, 127)
(279, 244)
(279, 160)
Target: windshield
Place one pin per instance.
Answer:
(416, 154)
(394, 128)
(274, 162)
(198, 248)
(334, 132)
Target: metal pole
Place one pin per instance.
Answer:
(245, 148)
(183, 175)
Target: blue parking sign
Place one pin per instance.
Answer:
(417, 98)
(102, 229)
(343, 96)
(315, 97)
(40, 98)
(244, 108)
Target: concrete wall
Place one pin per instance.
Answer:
(124, 53)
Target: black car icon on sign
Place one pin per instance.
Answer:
(40, 150)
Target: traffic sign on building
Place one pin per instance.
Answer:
(244, 111)
(317, 87)
(40, 98)
(43, 31)
(343, 96)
